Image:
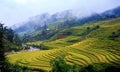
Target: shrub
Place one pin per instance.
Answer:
(101, 67)
(113, 35)
(59, 65)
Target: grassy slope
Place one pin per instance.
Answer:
(80, 48)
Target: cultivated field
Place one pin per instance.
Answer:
(82, 47)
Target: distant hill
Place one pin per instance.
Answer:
(37, 21)
(109, 14)
(61, 20)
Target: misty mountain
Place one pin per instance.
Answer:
(32, 23)
(113, 13)
(109, 14)
(38, 21)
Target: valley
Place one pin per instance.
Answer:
(83, 46)
(65, 40)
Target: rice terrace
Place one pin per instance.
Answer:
(98, 48)
(60, 36)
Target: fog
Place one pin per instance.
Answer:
(15, 11)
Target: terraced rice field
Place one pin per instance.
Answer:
(95, 49)
(77, 53)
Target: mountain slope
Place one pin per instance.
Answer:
(88, 45)
(37, 21)
(59, 21)
(79, 33)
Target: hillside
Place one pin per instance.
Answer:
(59, 21)
(72, 35)
(36, 22)
(97, 42)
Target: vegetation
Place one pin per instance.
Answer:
(101, 67)
(59, 65)
(2, 57)
(82, 46)
(8, 41)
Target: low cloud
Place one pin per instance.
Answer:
(14, 11)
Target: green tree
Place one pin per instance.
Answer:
(59, 65)
(2, 57)
(101, 67)
(9, 33)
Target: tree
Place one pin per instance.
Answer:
(2, 57)
(88, 28)
(59, 65)
(113, 35)
(25, 38)
(97, 26)
(16, 40)
(9, 33)
(100, 67)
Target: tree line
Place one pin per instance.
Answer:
(7, 37)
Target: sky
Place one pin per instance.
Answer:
(17, 11)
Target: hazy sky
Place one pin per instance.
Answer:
(16, 11)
